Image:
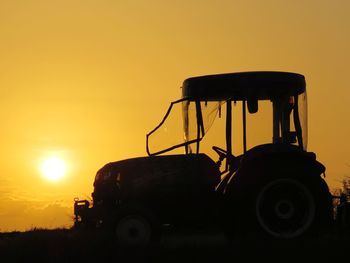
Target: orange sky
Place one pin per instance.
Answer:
(85, 80)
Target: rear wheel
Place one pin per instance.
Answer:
(285, 208)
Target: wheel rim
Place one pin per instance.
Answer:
(134, 230)
(285, 208)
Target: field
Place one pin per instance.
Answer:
(65, 245)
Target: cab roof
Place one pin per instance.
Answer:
(261, 85)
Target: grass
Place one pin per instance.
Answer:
(65, 245)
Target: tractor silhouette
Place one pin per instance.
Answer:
(273, 187)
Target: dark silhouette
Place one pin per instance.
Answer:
(274, 189)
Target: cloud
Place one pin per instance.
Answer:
(22, 209)
(21, 215)
(52, 216)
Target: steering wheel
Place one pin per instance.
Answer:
(221, 152)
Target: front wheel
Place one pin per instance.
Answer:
(285, 208)
(133, 230)
(136, 225)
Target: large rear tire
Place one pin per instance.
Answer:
(285, 208)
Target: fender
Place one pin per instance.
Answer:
(268, 161)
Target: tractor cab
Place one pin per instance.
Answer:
(270, 183)
(269, 108)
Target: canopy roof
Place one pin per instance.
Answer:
(261, 85)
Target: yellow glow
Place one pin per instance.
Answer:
(53, 169)
(85, 82)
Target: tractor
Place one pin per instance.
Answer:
(264, 180)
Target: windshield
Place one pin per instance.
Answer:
(172, 134)
(198, 117)
(279, 120)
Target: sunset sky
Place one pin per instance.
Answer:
(84, 81)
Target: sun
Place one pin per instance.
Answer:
(53, 169)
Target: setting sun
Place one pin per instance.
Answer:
(53, 169)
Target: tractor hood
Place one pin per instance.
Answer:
(142, 175)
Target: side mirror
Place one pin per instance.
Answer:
(252, 105)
